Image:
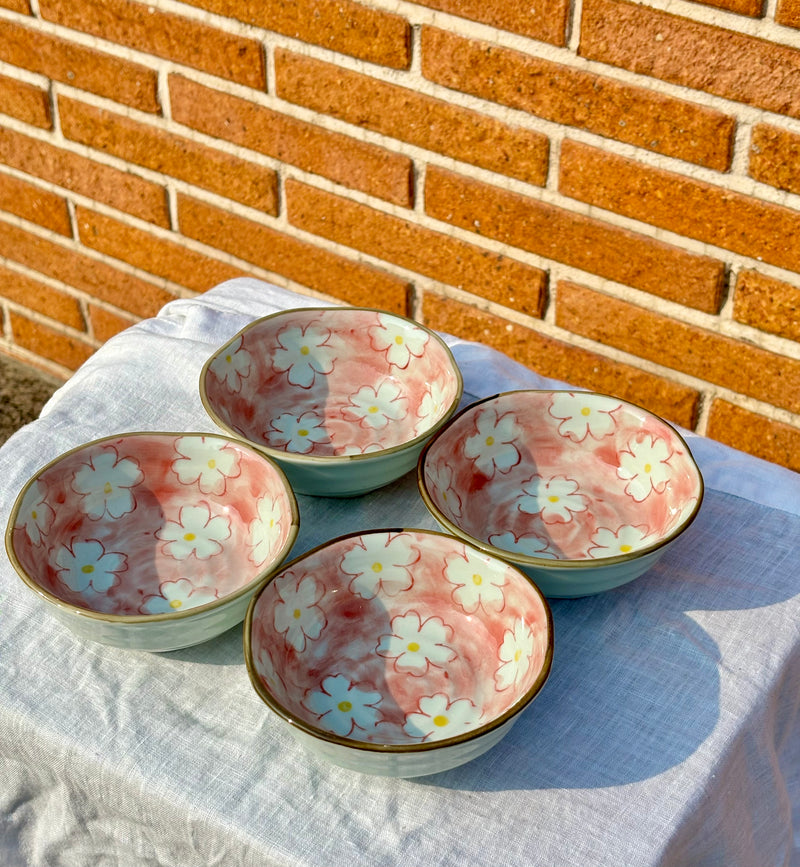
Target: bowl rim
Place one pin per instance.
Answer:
(396, 749)
(526, 560)
(332, 460)
(132, 619)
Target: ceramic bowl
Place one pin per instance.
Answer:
(342, 398)
(398, 652)
(582, 490)
(152, 541)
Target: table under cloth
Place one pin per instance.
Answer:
(667, 734)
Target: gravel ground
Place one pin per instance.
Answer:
(23, 392)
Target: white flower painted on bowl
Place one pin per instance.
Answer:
(528, 543)
(583, 415)
(380, 564)
(232, 366)
(415, 644)
(342, 707)
(438, 718)
(267, 671)
(398, 340)
(492, 447)
(304, 353)
(196, 532)
(105, 484)
(377, 407)
(265, 528)
(444, 484)
(297, 614)
(644, 464)
(35, 515)
(433, 404)
(555, 499)
(607, 543)
(354, 449)
(297, 433)
(177, 596)
(206, 462)
(515, 653)
(88, 566)
(477, 584)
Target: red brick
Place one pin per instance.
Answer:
(23, 6)
(681, 204)
(81, 67)
(89, 275)
(582, 242)
(775, 157)
(751, 8)
(548, 24)
(340, 158)
(709, 356)
(122, 190)
(49, 343)
(106, 324)
(491, 275)
(578, 98)
(753, 433)
(26, 102)
(769, 304)
(163, 34)
(165, 258)
(41, 298)
(555, 359)
(692, 54)
(34, 204)
(320, 270)
(412, 117)
(173, 155)
(340, 25)
(788, 13)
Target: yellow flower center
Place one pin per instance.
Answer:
(624, 548)
(188, 537)
(229, 358)
(517, 655)
(34, 515)
(175, 603)
(87, 569)
(553, 499)
(477, 580)
(304, 350)
(398, 340)
(586, 411)
(412, 646)
(296, 613)
(647, 468)
(377, 567)
(373, 409)
(440, 720)
(345, 706)
(489, 441)
(107, 488)
(302, 432)
(211, 464)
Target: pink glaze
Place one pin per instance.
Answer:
(399, 637)
(149, 524)
(331, 381)
(562, 475)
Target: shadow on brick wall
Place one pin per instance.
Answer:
(23, 392)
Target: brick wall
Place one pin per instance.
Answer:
(607, 191)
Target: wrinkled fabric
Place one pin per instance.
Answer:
(668, 733)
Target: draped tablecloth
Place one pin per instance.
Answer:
(668, 733)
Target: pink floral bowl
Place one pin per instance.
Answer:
(583, 491)
(398, 652)
(343, 398)
(152, 541)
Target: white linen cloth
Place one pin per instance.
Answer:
(668, 733)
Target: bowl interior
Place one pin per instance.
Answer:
(398, 638)
(331, 381)
(561, 476)
(152, 524)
